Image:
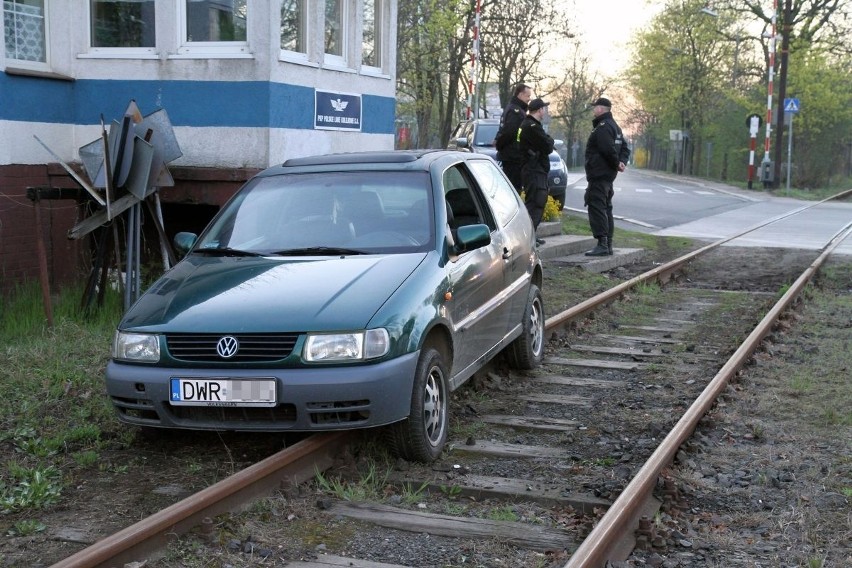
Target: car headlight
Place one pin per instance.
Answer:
(140, 347)
(354, 346)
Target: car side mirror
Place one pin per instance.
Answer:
(184, 241)
(462, 142)
(558, 143)
(471, 237)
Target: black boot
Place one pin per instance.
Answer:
(609, 246)
(601, 249)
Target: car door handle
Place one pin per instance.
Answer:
(507, 253)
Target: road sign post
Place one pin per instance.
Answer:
(791, 108)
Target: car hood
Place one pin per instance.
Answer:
(240, 294)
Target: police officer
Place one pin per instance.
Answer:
(536, 145)
(508, 153)
(606, 156)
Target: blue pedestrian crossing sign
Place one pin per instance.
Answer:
(791, 105)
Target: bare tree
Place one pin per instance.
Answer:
(573, 96)
(432, 44)
(819, 23)
(516, 37)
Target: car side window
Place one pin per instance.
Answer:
(464, 207)
(497, 189)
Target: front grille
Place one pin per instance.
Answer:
(254, 347)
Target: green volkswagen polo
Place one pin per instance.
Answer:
(336, 292)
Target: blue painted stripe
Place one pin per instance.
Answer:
(256, 104)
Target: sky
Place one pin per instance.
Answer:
(608, 26)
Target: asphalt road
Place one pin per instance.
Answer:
(667, 205)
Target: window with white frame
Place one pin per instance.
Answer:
(122, 24)
(294, 26)
(25, 31)
(214, 27)
(336, 31)
(372, 39)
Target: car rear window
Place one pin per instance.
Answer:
(485, 134)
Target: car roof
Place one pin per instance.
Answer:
(372, 160)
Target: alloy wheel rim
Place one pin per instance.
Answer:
(536, 327)
(433, 407)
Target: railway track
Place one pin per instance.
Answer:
(552, 468)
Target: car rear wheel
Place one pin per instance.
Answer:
(421, 437)
(527, 351)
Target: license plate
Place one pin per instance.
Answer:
(222, 392)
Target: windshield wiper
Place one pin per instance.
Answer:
(325, 251)
(226, 251)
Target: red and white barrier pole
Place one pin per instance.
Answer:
(753, 124)
(771, 80)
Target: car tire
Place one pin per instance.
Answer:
(527, 351)
(421, 437)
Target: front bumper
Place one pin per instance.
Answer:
(309, 399)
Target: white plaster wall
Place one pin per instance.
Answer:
(207, 147)
(213, 146)
(288, 143)
(19, 146)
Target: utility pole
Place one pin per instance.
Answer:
(473, 80)
(782, 92)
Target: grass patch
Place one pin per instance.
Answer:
(26, 527)
(30, 488)
(368, 487)
(814, 375)
(578, 224)
(504, 513)
(813, 194)
(566, 286)
(53, 409)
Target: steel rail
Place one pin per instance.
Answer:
(622, 515)
(292, 465)
(663, 272)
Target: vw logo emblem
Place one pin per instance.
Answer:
(227, 347)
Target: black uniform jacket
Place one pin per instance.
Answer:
(507, 134)
(605, 149)
(535, 144)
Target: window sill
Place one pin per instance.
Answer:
(374, 72)
(296, 59)
(337, 67)
(27, 72)
(129, 53)
(210, 55)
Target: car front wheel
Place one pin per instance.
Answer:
(527, 351)
(421, 437)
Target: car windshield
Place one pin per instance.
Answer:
(336, 213)
(485, 134)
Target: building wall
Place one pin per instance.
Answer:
(238, 108)
(20, 234)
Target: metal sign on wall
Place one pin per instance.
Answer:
(337, 111)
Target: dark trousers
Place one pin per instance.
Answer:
(598, 199)
(535, 194)
(513, 172)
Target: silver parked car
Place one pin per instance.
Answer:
(478, 136)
